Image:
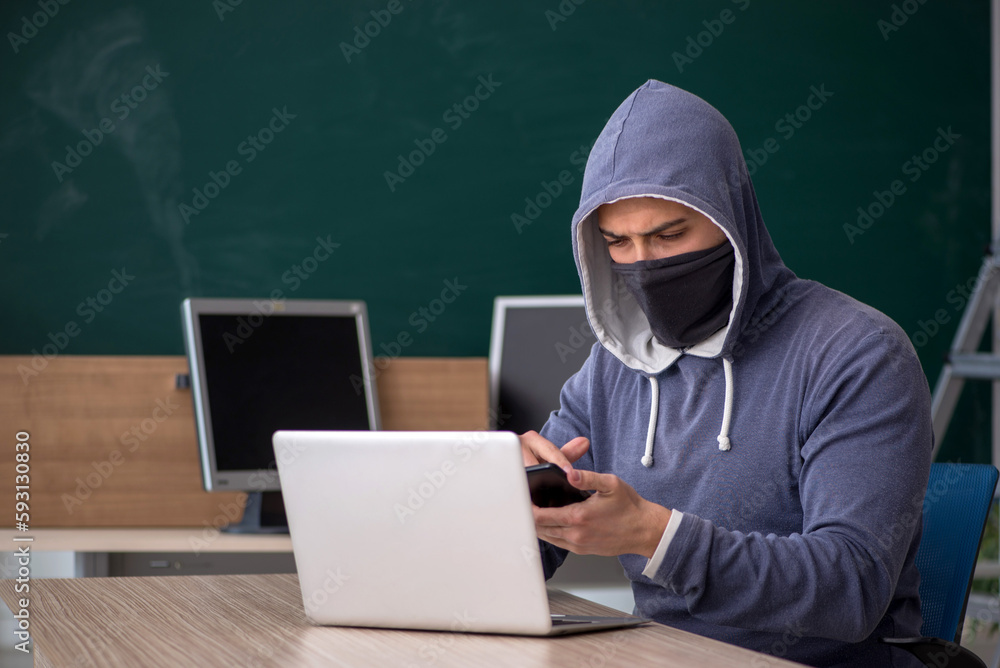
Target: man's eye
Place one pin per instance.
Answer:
(615, 242)
(668, 237)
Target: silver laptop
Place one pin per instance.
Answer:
(418, 530)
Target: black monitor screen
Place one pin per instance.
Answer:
(288, 372)
(542, 345)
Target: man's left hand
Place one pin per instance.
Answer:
(614, 520)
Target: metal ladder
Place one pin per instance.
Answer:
(963, 361)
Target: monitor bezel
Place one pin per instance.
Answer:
(500, 306)
(260, 480)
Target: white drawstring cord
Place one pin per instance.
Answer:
(654, 407)
(724, 444)
(727, 413)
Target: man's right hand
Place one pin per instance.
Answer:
(537, 450)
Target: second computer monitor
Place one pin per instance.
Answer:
(258, 366)
(537, 343)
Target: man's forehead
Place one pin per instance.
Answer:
(644, 212)
(637, 207)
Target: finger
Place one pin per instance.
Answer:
(557, 539)
(550, 517)
(543, 449)
(598, 482)
(576, 448)
(529, 457)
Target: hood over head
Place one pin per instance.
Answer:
(665, 142)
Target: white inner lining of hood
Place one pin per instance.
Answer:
(622, 327)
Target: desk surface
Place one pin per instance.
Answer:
(194, 539)
(258, 620)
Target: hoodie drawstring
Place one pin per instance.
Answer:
(654, 407)
(727, 413)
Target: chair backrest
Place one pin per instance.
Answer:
(956, 506)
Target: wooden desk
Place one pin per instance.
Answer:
(193, 539)
(157, 551)
(258, 620)
(192, 546)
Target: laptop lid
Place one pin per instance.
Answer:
(415, 530)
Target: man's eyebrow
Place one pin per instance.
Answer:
(656, 230)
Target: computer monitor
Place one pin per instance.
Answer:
(258, 366)
(537, 343)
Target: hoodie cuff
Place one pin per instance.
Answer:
(653, 565)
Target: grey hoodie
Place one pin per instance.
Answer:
(795, 442)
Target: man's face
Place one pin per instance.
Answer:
(649, 228)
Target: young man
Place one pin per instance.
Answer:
(759, 443)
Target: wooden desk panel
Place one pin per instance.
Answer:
(88, 468)
(189, 539)
(258, 620)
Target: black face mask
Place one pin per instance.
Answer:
(687, 297)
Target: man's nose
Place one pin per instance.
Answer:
(643, 251)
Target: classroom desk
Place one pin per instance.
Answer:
(193, 539)
(160, 551)
(258, 620)
(193, 551)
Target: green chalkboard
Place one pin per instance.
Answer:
(383, 151)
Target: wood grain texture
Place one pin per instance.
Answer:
(258, 620)
(113, 442)
(165, 539)
(448, 394)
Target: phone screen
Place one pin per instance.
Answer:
(549, 487)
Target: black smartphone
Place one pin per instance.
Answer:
(549, 487)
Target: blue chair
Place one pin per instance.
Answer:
(956, 506)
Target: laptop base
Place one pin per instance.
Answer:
(567, 624)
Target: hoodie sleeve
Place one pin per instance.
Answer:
(866, 434)
(563, 425)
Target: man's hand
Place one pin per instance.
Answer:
(615, 520)
(537, 450)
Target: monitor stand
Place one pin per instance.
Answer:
(264, 513)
